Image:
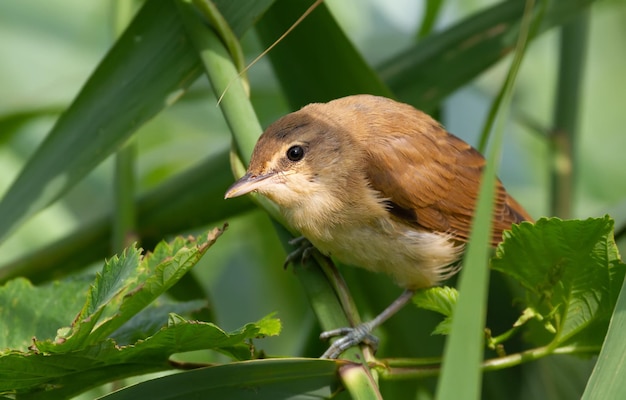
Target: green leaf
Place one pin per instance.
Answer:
(87, 353)
(269, 326)
(27, 311)
(152, 318)
(209, 336)
(61, 375)
(261, 379)
(571, 270)
(441, 300)
(126, 286)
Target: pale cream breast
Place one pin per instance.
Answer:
(412, 258)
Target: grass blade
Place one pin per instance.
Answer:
(461, 376)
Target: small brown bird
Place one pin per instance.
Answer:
(377, 184)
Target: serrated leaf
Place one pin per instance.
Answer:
(65, 374)
(147, 322)
(27, 311)
(233, 344)
(127, 285)
(440, 299)
(571, 270)
(269, 326)
(161, 270)
(114, 281)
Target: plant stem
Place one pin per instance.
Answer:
(124, 212)
(573, 50)
(407, 368)
(431, 12)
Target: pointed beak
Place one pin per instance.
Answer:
(246, 184)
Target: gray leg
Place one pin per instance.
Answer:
(363, 333)
(302, 252)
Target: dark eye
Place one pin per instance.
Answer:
(295, 153)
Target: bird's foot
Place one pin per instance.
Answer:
(350, 337)
(302, 252)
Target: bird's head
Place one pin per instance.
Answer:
(299, 157)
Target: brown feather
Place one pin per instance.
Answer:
(430, 174)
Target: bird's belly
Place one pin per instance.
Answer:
(414, 259)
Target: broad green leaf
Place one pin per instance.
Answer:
(441, 299)
(152, 318)
(259, 379)
(62, 375)
(426, 73)
(95, 349)
(571, 270)
(38, 312)
(28, 312)
(126, 285)
(235, 344)
(148, 69)
(316, 62)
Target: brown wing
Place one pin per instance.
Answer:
(432, 179)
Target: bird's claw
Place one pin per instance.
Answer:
(302, 252)
(350, 337)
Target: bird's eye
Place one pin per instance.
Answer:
(295, 153)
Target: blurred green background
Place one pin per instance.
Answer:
(48, 50)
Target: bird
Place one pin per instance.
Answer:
(377, 184)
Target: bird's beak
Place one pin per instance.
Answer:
(246, 184)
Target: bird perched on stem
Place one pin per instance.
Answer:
(376, 184)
